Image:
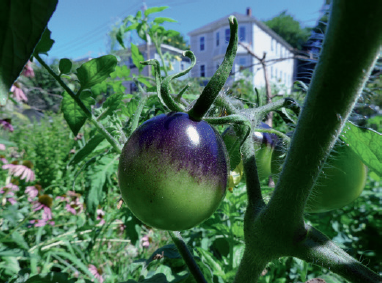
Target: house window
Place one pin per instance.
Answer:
(227, 35)
(202, 43)
(281, 75)
(271, 72)
(285, 78)
(242, 33)
(181, 66)
(272, 44)
(133, 88)
(217, 39)
(242, 62)
(202, 70)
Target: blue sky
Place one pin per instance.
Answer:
(80, 27)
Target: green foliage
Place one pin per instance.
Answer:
(289, 29)
(21, 28)
(65, 66)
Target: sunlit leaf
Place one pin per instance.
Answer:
(137, 57)
(96, 70)
(160, 20)
(21, 26)
(366, 143)
(152, 10)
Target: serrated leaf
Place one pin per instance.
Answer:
(73, 114)
(120, 72)
(65, 66)
(98, 89)
(130, 108)
(98, 174)
(366, 143)
(45, 43)
(137, 57)
(87, 149)
(161, 20)
(111, 104)
(21, 26)
(152, 10)
(96, 70)
(144, 81)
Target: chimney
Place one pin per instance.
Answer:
(249, 12)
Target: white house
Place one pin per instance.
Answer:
(209, 44)
(172, 55)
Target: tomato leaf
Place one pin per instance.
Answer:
(87, 149)
(366, 143)
(161, 20)
(130, 108)
(65, 66)
(137, 57)
(98, 173)
(45, 43)
(152, 10)
(121, 72)
(21, 26)
(73, 114)
(111, 104)
(96, 70)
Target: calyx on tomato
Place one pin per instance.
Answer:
(340, 182)
(173, 172)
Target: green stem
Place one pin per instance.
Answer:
(187, 257)
(273, 131)
(141, 104)
(212, 89)
(117, 147)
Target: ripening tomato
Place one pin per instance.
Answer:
(340, 182)
(173, 172)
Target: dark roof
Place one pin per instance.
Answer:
(241, 18)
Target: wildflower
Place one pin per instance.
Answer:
(8, 193)
(97, 272)
(18, 92)
(24, 170)
(32, 191)
(147, 239)
(2, 146)
(44, 202)
(6, 124)
(28, 70)
(100, 214)
(73, 202)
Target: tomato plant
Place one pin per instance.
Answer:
(264, 144)
(340, 182)
(173, 172)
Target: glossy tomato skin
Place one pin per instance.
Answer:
(340, 182)
(173, 172)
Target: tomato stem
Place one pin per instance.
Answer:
(212, 89)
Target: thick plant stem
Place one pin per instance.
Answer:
(115, 144)
(212, 89)
(187, 257)
(320, 250)
(329, 101)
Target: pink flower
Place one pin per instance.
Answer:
(28, 70)
(97, 272)
(2, 146)
(6, 126)
(74, 204)
(23, 171)
(32, 192)
(100, 214)
(43, 203)
(8, 193)
(18, 94)
(147, 239)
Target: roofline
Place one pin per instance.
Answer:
(260, 24)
